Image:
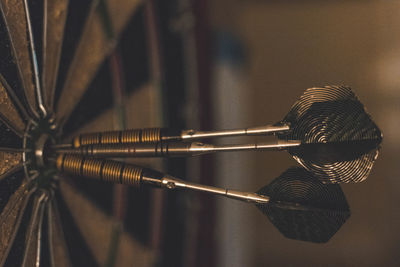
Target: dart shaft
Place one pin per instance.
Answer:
(172, 149)
(171, 183)
(154, 135)
(261, 130)
(278, 145)
(119, 172)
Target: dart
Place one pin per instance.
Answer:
(326, 152)
(155, 135)
(334, 162)
(315, 117)
(298, 204)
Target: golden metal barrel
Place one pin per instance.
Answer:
(132, 136)
(105, 170)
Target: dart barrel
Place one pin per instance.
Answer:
(105, 170)
(132, 136)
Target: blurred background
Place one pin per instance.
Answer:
(227, 64)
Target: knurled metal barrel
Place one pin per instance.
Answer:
(132, 136)
(105, 170)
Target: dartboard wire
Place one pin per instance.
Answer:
(35, 229)
(25, 160)
(44, 51)
(38, 88)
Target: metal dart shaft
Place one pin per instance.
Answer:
(261, 130)
(119, 172)
(172, 183)
(172, 149)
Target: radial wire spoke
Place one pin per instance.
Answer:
(35, 57)
(34, 234)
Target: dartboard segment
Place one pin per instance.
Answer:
(59, 255)
(8, 138)
(78, 214)
(103, 25)
(8, 68)
(9, 163)
(9, 113)
(55, 14)
(78, 249)
(9, 185)
(17, 246)
(10, 219)
(15, 17)
(31, 226)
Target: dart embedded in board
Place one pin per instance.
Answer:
(327, 131)
(297, 203)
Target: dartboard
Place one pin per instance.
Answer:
(60, 74)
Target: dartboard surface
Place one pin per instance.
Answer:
(56, 79)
